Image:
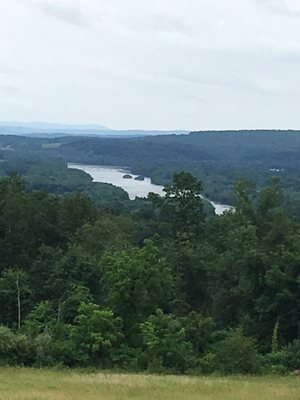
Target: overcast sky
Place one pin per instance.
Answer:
(152, 64)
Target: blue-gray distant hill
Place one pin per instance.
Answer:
(48, 130)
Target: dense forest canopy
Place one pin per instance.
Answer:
(88, 277)
(162, 287)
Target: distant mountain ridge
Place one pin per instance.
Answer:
(48, 130)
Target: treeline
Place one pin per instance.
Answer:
(218, 159)
(53, 175)
(162, 289)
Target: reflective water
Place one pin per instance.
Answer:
(114, 175)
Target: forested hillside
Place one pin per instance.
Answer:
(218, 159)
(161, 289)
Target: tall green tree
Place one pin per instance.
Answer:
(182, 206)
(135, 283)
(14, 295)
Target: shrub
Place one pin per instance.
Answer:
(95, 336)
(40, 319)
(292, 355)
(165, 342)
(7, 346)
(23, 350)
(15, 348)
(44, 352)
(275, 363)
(287, 359)
(236, 354)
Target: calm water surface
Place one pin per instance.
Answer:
(114, 175)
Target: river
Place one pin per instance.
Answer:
(139, 188)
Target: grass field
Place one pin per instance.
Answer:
(30, 384)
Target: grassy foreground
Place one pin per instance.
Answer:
(30, 384)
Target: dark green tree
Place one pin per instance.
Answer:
(135, 283)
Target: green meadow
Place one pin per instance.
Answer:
(35, 384)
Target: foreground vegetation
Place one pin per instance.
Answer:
(27, 384)
(162, 289)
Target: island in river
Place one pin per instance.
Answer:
(134, 187)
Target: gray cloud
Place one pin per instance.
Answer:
(279, 7)
(65, 11)
(159, 22)
(200, 64)
(9, 70)
(9, 89)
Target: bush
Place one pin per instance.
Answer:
(15, 349)
(292, 355)
(95, 336)
(44, 351)
(236, 354)
(24, 352)
(200, 331)
(275, 363)
(287, 359)
(40, 319)
(165, 342)
(7, 346)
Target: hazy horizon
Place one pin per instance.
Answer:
(84, 126)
